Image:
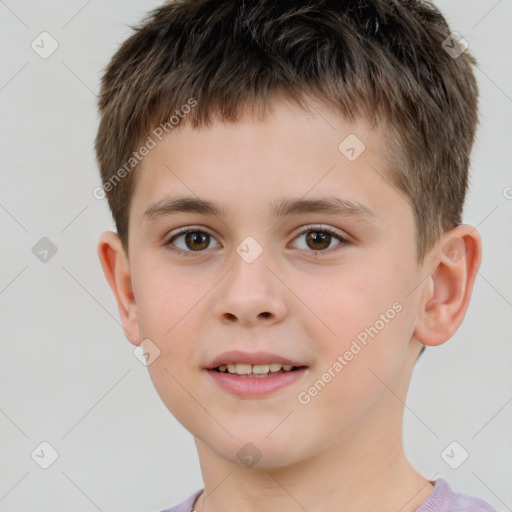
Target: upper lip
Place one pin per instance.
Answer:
(236, 356)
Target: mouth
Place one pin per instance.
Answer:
(256, 375)
(264, 370)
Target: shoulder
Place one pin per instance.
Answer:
(443, 499)
(185, 506)
(463, 503)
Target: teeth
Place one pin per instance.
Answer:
(257, 369)
(241, 369)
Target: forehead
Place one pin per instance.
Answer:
(284, 163)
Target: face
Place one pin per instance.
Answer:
(325, 289)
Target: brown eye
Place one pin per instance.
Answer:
(194, 240)
(319, 239)
(197, 237)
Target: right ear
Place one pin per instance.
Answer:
(117, 272)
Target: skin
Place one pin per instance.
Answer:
(343, 450)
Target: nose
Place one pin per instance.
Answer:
(251, 294)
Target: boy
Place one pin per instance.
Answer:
(317, 152)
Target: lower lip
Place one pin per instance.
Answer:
(255, 387)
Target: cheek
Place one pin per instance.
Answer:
(351, 301)
(368, 328)
(174, 373)
(168, 306)
(165, 297)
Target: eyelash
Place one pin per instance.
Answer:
(319, 229)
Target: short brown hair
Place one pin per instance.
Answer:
(385, 60)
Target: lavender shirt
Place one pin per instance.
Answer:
(441, 499)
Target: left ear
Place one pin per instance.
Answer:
(447, 291)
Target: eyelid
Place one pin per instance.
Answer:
(186, 229)
(322, 227)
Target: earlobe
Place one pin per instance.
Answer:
(447, 291)
(117, 272)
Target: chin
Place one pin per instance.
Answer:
(253, 448)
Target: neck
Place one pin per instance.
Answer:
(368, 471)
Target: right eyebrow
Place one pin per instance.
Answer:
(181, 204)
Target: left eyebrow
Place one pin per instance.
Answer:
(329, 205)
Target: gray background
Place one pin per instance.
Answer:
(67, 374)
